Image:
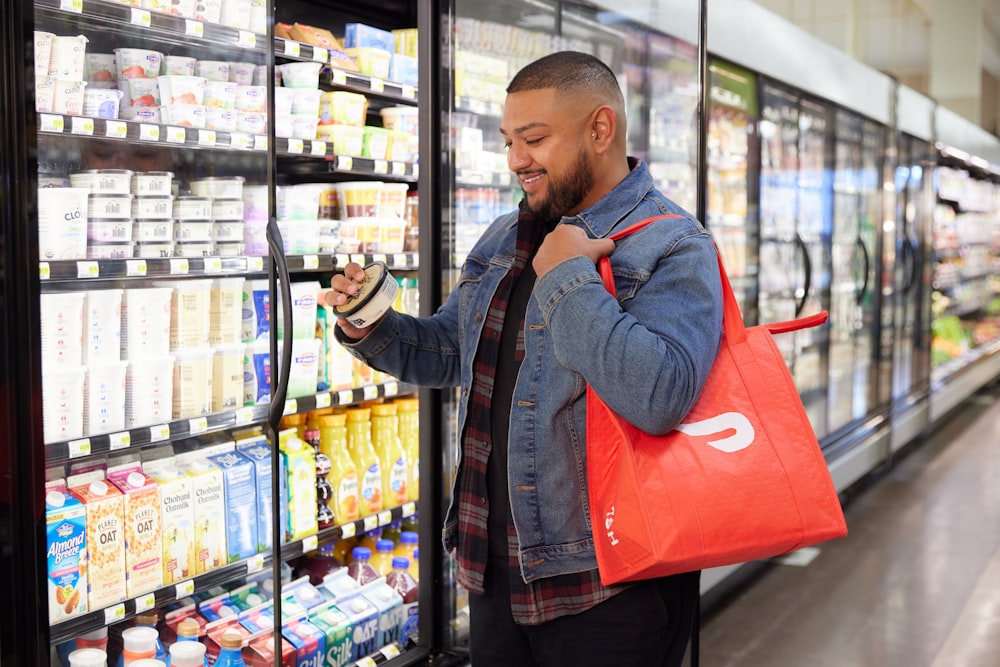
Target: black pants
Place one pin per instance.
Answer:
(649, 624)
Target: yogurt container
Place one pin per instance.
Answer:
(227, 209)
(192, 208)
(192, 231)
(100, 68)
(178, 65)
(251, 98)
(45, 90)
(152, 208)
(138, 63)
(101, 103)
(184, 115)
(139, 93)
(62, 223)
(152, 183)
(67, 57)
(373, 299)
(230, 249)
(109, 231)
(235, 14)
(242, 74)
(217, 118)
(155, 250)
(224, 187)
(283, 100)
(103, 181)
(300, 75)
(140, 114)
(284, 125)
(212, 70)
(228, 231)
(177, 89)
(152, 230)
(109, 251)
(305, 101)
(304, 127)
(109, 207)
(251, 122)
(43, 52)
(220, 94)
(196, 249)
(67, 97)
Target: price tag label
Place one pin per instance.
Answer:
(310, 543)
(115, 129)
(135, 267)
(399, 169)
(259, 142)
(88, 270)
(370, 392)
(292, 49)
(385, 517)
(391, 389)
(144, 602)
(52, 123)
(244, 416)
(213, 265)
(409, 509)
(141, 17)
(255, 264)
(416, 171)
(400, 260)
(184, 589)
(78, 448)
(348, 530)
(378, 85)
(239, 141)
(206, 138)
(318, 148)
(83, 125)
(345, 396)
(159, 432)
(197, 425)
(71, 6)
(255, 563)
(176, 135)
(370, 523)
(320, 55)
(179, 266)
(358, 259)
(409, 91)
(310, 262)
(339, 77)
(391, 651)
(291, 407)
(381, 167)
(194, 28)
(149, 132)
(295, 146)
(44, 272)
(345, 162)
(323, 400)
(247, 39)
(366, 661)
(379, 257)
(120, 440)
(114, 614)
(341, 260)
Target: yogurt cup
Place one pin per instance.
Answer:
(373, 299)
(208, 10)
(176, 7)
(230, 249)
(100, 68)
(149, 390)
(255, 238)
(43, 52)
(251, 98)
(62, 404)
(103, 181)
(226, 311)
(251, 122)
(346, 139)
(102, 325)
(190, 312)
(195, 249)
(152, 208)
(139, 93)
(303, 127)
(300, 237)
(109, 231)
(228, 231)
(67, 97)
(283, 100)
(235, 14)
(192, 231)
(104, 398)
(67, 58)
(227, 209)
(298, 202)
(155, 250)
(62, 223)
(109, 207)
(242, 73)
(305, 101)
(45, 90)
(145, 231)
(152, 183)
(223, 120)
(177, 89)
(220, 94)
(227, 377)
(255, 203)
(62, 329)
(110, 250)
(223, 187)
(140, 114)
(178, 66)
(358, 199)
(284, 124)
(101, 103)
(300, 75)
(212, 70)
(184, 115)
(192, 208)
(343, 108)
(138, 63)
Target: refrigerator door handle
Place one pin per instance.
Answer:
(912, 262)
(279, 387)
(864, 283)
(807, 267)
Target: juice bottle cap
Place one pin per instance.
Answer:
(407, 404)
(358, 414)
(361, 553)
(147, 662)
(400, 563)
(339, 419)
(384, 545)
(383, 409)
(139, 639)
(149, 618)
(232, 639)
(188, 628)
(408, 537)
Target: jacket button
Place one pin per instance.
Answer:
(479, 317)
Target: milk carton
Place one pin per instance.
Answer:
(241, 504)
(207, 487)
(365, 619)
(338, 630)
(66, 557)
(218, 607)
(304, 593)
(247, 596)
(299, 464)
(260, 651)
(256, 449)
(308, 640)
(176, 519)
(390, 610)
(105, 506)
(340, 585)
(143, 543)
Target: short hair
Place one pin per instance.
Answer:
(569, 71)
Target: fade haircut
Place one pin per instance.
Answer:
(572, 72)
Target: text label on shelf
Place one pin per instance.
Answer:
(159, 432)
(114, 129)
(120, 440)
(114, 614)
(194, 28)
(82, 125)
(141, 17)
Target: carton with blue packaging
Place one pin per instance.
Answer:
(403, 69)
(238, 474)
(308, 640)
(254, 446)
(66, 532)
(256, 321)
(361, 35)
(339, 632)
(390, 610)
(304, 592)
(257, 373)
(364, 617)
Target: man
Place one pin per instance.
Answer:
(526, 328)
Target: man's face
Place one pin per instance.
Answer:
(546, 150)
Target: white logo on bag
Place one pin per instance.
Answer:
(727, 421)
(609, 520)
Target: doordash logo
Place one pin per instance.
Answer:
(609, 521)
(741, 437)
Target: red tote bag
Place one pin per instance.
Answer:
(741, 478)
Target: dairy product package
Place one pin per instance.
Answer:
(390, 610)
(364, 618)
(105, 507)
(309, 642)
(304, 593)
(303, 309)
(217, 607)
(339, 633)
(257, 373)
(241, 504)
(256, 312)
(340, 584)
(176, 519)
(299, 463)
(143, 543)
(256, 449)
(207, 486)
(66, 557)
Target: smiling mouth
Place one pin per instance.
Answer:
(529, 179)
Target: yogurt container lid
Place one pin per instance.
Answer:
(375, 275)
(122, 172)
(154, 173)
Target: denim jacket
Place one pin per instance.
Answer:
(646, 354)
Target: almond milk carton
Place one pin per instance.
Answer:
(105, 505)
(66, 554)
(176, 519)
(207, 487)
(254, 446)
(143, 544)
(240, 481)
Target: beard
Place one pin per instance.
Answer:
(563, 194)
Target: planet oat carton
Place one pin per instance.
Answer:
(105, 505)
(66, 553)
(143, 543)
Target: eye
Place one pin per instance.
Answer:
(533, 142)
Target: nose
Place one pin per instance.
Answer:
(516, 158)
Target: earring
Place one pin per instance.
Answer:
(593, 135)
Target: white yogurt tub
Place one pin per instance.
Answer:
(192, 382)
(220, 94)
(197, 249)
(192, 208)
(45, 90)
(284, 125)
(192, 231)
(300, 75)
(109, 231)
(212, 70)
(43, 52)
(101, 103)
(251, 98)
(255, 203)
(152, 183)
(304, 127)
(184, 115)
(139, 93)
(103, 181)
(227, 209)
(110, 251)
(109, 207)
(373, 299)
(242, 73)
(251, 122)
(179, 89)
(140, 114)
(100, 68)
(154, 250)
(67, 57)
(146, 231)
(221, 187)
(177, 66)
(283, 100)
(223, 120)
(228, 230)
(230, 249)
(305, 101)
(138, 63)
(67, 97)
(152, 208)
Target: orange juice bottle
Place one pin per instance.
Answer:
(407, 545)
(298, 422)
(343, 473)
(359, 444)
(382, 557)
(407, 415)
(385, 439)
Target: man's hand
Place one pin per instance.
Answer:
(342, 286)
(567, 241)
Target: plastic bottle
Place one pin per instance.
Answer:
(231, 654)
(415, 565)
(296, 421)
(361, 569)
(149, 662)
(411, 237)
(318, 564)
(359, 444)
(137, 643)
(370, 539)
(382, 558)
(400, 580)
(393, 531)
(96, 639)
(343, 475)
(408, 418)
(407, 544)
(150, 619)
(188, 630)
(324, 492)
(392, 458)
(342, 549)
(87, 657)
(188, 654)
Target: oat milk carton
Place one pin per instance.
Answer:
(66, 554)
(143, 544)
(207, 487)
(254, 446)
(105, 506)
(176, 519)
(240, 483)
(390, 610)
(338, 629)
(308, 640)
(364, 618)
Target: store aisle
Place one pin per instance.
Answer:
(916, 583)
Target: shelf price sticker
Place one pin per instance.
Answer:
(184, 589)
(255, 563)
(135, 267)
(348, 530)
(409, 509)
(391, 651)
(78, 448)
(379, 257)
(293, 49)
(400, 260)
(259, 142)
(114, 614)
(323, 400)
(197, 425)
(149, 132)
(366, 661)
(296, 146)
(345, 397)
(378, 85)
(291, 407)
(370, 392)
(194, 28)
(504, 178)
(206, 138)
(141, 17)
(341, 260)
(399, 169)
(409, 91)
(345, 162)
(244, 416)
(176, 135)
(44, 271)
(88, 270)
(310, 262)
(213, 265)
(71, 6)
(239, 141)
(381, 167)
(255, 264)
(310, 543)
(179, 267)
(82, 125)
(391, 389)
(115, 129)
(320, 55)
(144, 602)
(385, 517)
(318, 148)
(121, 440)
(339, 77)
(247, 39)
(370, 523)
(358, 259)
(159, 432)
(52, 123)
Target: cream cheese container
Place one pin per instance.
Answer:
(373, 299)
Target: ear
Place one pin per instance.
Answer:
(603, 127)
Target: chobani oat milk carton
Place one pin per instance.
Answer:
(176, 519)
(207, 488)
(143, 544)
(105, 506)
(66, 552)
